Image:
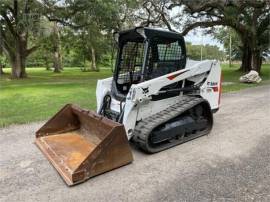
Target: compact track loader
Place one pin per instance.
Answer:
(156, 98)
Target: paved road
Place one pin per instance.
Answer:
(230, 164)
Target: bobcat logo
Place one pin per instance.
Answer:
(212, 83)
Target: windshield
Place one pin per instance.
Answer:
(129, 65)
(166, 55)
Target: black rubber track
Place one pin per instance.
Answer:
(144, 128)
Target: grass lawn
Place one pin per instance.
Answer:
(43, 93)
(231, 74)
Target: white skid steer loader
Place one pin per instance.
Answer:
(156, 98)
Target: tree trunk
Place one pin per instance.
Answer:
(60, 58)
(246, 58)
(1, 64)
(18, 67)
(93, 56)
(1, 69)
(57, 61)
(19, 60)
(256, 57)
(256, 60)
(47, 65)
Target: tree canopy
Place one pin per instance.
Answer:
(250, 19)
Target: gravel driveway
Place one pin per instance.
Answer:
(230, 164)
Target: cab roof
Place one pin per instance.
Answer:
(141, 33)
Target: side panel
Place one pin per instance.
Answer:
(153, 86)
(130, 115)
(138, 103)
(103, 87)
(211, 89)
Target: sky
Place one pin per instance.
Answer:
(195, 36)
(200, 38)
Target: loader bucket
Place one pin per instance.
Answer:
(81, 144)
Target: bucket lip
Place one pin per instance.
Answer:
(87, 112)
(53, 161)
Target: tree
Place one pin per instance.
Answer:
(92, 24)
(2, 61)
(50, 51)
(1, 58)
(223, 35)
(208, 52)
(153, 12)
(249, 18)
(56, 48)
(17, 18)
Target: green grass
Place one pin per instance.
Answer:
(231, 74)
(43, 93)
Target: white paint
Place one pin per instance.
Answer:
(138, 103)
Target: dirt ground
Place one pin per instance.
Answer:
(232, 163)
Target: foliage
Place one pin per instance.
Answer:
(208, 52)
(18, 22)
(86, 29)
(223, 34)
(90, 23)
(3, 60)
(43, 56)
(249, 18)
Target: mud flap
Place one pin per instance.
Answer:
(81, 144)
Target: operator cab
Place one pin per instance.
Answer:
(144, 54)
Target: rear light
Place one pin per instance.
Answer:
(215, 88)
